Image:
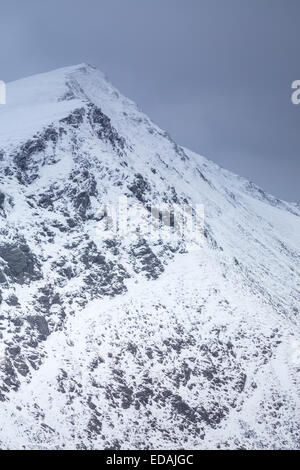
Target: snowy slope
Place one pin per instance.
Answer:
(133, 343)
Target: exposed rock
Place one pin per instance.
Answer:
(40, 323)
(21, 264)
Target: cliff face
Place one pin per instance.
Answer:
(121, 340)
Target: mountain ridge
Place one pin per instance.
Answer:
(64, 92)
(206, 335)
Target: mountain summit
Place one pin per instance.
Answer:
(124, 341)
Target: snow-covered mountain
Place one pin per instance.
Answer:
(116, 342)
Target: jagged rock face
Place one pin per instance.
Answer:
(120, 341)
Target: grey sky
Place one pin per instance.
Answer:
(216, 74)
